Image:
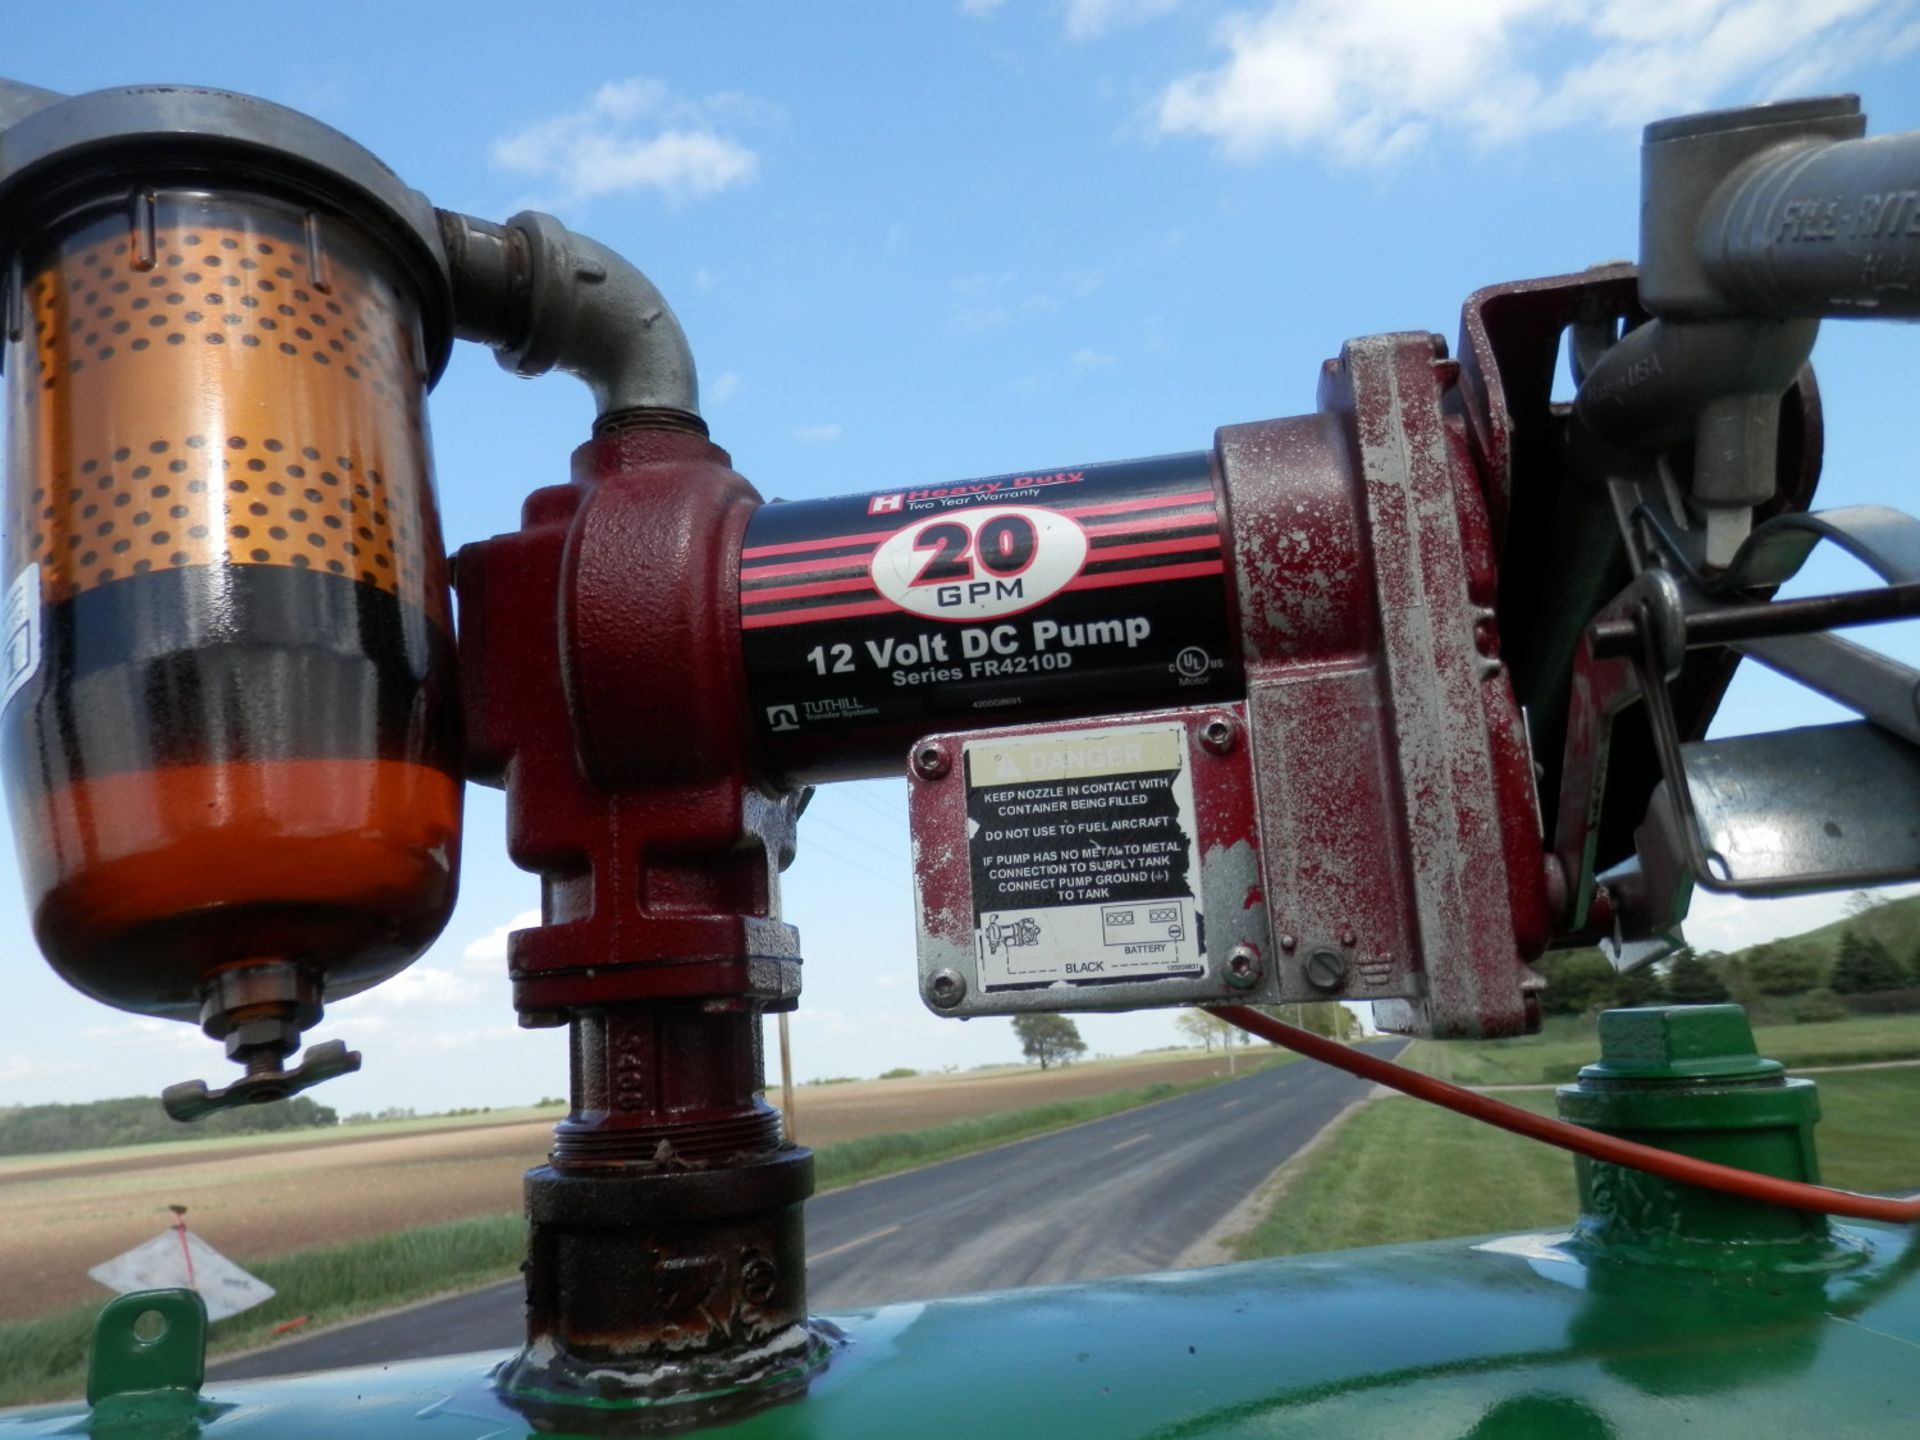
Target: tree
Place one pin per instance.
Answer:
(1862, 965)
(1326, 1017)
(1197, 1025)
(1781, 969)
(1640, 986)
(1817, 1007)
(1048, 1038)
(1863, 902)
(1691, 981)
(1578, 982)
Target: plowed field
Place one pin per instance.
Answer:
(60, 1214)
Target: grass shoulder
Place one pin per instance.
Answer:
(1400, 1171)
(1564, 1044)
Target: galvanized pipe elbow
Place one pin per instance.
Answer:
(545, 298)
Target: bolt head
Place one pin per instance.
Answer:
(758, 1278)
(1243, 967)
(946, 988)
(1217, 734)
(1326, 969)
(275, 1036)
(930, 762)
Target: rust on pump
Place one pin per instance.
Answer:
(1287, 718)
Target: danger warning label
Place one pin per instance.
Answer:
(1084, 864)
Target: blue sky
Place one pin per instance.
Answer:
(915, 242)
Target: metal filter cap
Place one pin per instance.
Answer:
(73, 148)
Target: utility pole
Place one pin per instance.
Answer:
(786, 1080)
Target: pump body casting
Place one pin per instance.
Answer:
(1373, 703)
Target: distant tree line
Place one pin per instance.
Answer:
(139, 1120)
(1823, 975)
(1325, 1017)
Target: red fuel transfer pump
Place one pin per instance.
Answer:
(1376, 703)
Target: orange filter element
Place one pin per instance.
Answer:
(230, 727)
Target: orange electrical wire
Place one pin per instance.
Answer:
(1595, 1146)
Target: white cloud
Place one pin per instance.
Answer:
(420, 989)
(1090, 19)
(985, 302)
(816, 434)
(491, 948)
(1082, 283)
(1367, 80)
(980, 283)
(975, 318)
(723, 387)
(144, 1032)
(1088, 359)
(635, 134)
(704, 278)
(980, 9)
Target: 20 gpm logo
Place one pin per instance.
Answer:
(979, 564)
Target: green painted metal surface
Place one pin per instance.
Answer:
(1667, 1312)
(152, 1343)
(1437, 1340)
(1687, 1078)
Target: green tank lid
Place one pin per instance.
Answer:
(1679, 1042)
(1688, 1078)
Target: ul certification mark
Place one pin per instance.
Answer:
(1082, 850)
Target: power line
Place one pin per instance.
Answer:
(848, 860)
(875, 804)
(891, 852)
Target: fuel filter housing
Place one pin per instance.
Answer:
(230, 731)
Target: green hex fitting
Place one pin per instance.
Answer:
(1678, 1043)
(1688, 1078)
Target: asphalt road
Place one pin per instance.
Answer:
(1120, 1196)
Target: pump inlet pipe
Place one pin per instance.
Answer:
(1683, 1169)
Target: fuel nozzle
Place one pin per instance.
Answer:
(260, 1011)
